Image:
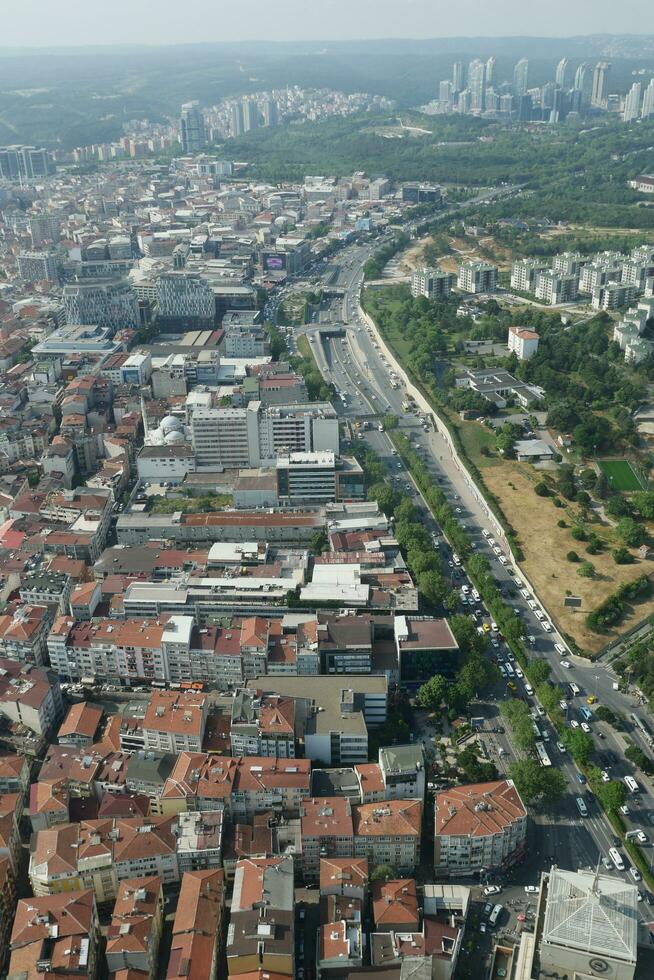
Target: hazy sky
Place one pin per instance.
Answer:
(27, 23)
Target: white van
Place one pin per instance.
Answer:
(495, 914)
(560, 649)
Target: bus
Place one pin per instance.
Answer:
(642, 728)
(542, 754)
(509, 669)
(581, 806)
(631, 784)
(574, 689)
(495, 914)
(616, 857)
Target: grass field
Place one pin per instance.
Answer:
(621, 475)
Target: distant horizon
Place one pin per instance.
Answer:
(381, 39)
(36, 24)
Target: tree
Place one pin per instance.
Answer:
(618, 507)
(473, 769)
(542, 489)
(572, 556)
(385, 497)
(466, 635)
(382, 872)
(579, 744)
(602, 713)
(538, 671)
(622, 556)
(631, 532)
(602, 486)
(433, 693)
(433, 587)
(390, 422)
(586, 569)
(405, 511)
(535, 782)
(644, 504)
(639, 759)
(612, 795)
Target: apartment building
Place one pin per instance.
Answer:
(38, 266)
(135, 929)
(30, 696)
(24, 635)
(175, 722)
(242, 787)
(522, 342)
(261, 934)
(80, 725)
(348, 877)
(274, 527)
(477, 277)
(524, 274)
(56, 935)
(14, 774)
(327, 832)
(7, 908)
(389, 833)
(197, 928)
(431, 283)
(262, 725)
(554, 287)
(613, 296)
(483, 825)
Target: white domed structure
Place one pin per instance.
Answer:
(171, 424)
(174, 437)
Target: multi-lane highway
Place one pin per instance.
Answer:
(368, 384)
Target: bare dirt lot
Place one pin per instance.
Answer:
(545, 546)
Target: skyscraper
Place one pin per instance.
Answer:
(521, 77)
(457, 76)
(236, 119)
(270, 113)
(445, 90)
(250, 115)
(561, 72)
(648, 101)
(600, 84)
(477, 84)
(490, 70)
(584, 81)
(632, 103)
(192, 127)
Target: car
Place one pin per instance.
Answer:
(495, 628)
(624, 809)
(605, 776)
(516, 581)
(560, 649)
(488, 908)
(566, 664)
(617, 841)
(635, 873)
(480, 630)
(649, 898)
(546, 626)
(591, 699)
(574, 724)
(486, 628)
(492, 890)
(563, 705)
(585, 727)
(641, 836)
(518, 672)
(532, 889)
(608, 863)
(495, 644)
(561, 747)
(524, 593)
(511, 686)
(482, 927)
(581, 778)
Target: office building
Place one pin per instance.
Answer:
(24, 162)
(521, 77)
(647, 110)
(483, 825)
(193, 132)
(587, 924)
(477, 277)
(477, 85)
(105, 303)
(430, 283)
(43, 228)
(35, 266)
(185, 299)
(561, 74)
(632, 103)
(458, 76)
(584, 82)
(600, 90)
(255, 435)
